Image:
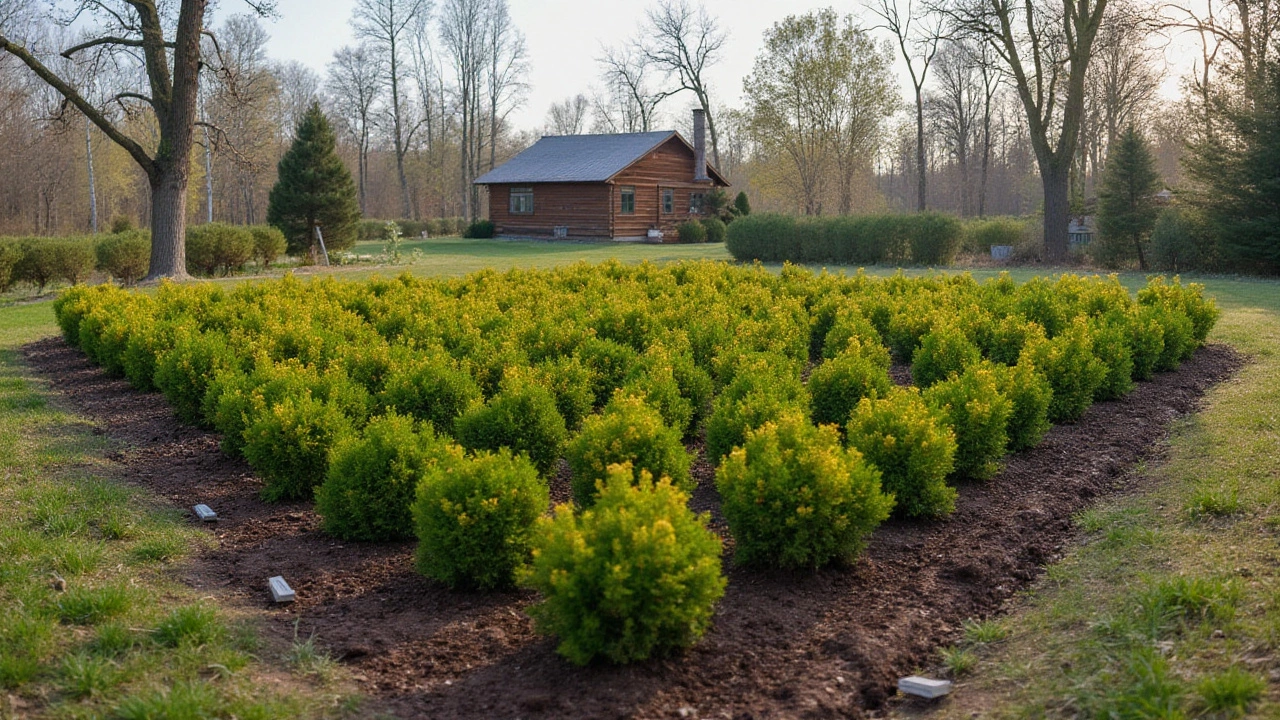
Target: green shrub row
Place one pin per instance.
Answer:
(41, 262)
(439, 409)
(220, 248)
(921, 239)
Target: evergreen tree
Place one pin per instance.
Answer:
(1127, 208)
(1238, 169)
(315, 188)
(741, 205)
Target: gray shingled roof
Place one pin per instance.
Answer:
(575, 158)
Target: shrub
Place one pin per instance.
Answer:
(1029, 393)
(979, 235)
(572, 384)
(73, 260)
(369, 490)
(795, 498)
(926, 239)
(763, 237)
(480, 230)
(430, 388)
(838, 385)
(1174, 243)
(1188, 300)
(288, 443)
(475, 517)
(935, 238)
(1146, 341)
(10, 257)
(637, 575)
(692, 231)
(852, 331)
(218, 246)
(183, 371)
(122, 224)
(754, 398)
(1178, 334)
(38, 264)
(1111, 340)
(268, 244)
(1071, 368)
(716, 230)
(915, 452)
(522, 417)
(978, 413)
(943, 352)
(629, 431)
(125, 256)
(741, 205)
(1009, 335)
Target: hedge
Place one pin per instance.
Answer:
(921, 239)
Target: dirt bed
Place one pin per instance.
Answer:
(784, 645)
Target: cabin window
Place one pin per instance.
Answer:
(628, 200)
(696, 203)
(521, 201)
(668, 201)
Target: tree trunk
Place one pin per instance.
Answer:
(921, 182)
(169, 223)
(1057, 211)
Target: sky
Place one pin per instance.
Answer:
(565, 37)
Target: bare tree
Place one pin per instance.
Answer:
(172, 68)
(684, 43)
(462, 29)
(355, 82)
(385, 25)
(1047, 50)
(955, 108)
(631, 104)
(918, 44)
(508, 65)
(569, 116)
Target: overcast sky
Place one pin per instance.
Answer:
(565, 36)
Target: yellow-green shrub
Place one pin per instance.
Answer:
(522, 417)
(628, 431)
(914, 450)
(1029, 393)
(637, 575)
(795, 498)
(288, 443)
(475, 516)
(430, 388)
(184, 370)
(839, 384)
(368, 493)
(978, 413)
(1111, 338)
(944, 351)
(1075, 374)
(754, 398)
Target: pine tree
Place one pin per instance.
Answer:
(1127, 208)
(1238, 169)
(315, 188)
(741, 205)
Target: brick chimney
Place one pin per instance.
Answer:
(700, 145)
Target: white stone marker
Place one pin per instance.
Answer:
(281, 592)
(924, 687)
(205, 513)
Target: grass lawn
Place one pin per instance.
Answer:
(1170, 609)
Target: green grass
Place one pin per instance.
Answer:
(1170, 608)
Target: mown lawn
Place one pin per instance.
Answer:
(1170, 609)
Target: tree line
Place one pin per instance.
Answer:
(1012, 108)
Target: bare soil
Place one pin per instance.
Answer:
(815, 644)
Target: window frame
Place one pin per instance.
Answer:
(623, 192)
(668, 201)
(697, 203)
(520, 194)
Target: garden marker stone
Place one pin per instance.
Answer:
(924, 687)
(280, 590)
(205, 513)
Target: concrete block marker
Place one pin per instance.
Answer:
(280, 590)
(205, 513)
(924, 687)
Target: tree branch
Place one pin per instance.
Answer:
(126, 42)
(93, 114)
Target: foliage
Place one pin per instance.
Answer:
(183, 371)
(1029, 393)
(691, 231)
(839, 384)
(10, 256)
(430, 388)
(1178, 243)
(944, 352)
(288, 443)
(74, 260)
(480, 230)
(268, 244)
(475, 517)
(1238, 168)
(369, 490)
(979, 235)
(124, 256)
(218, 247)
(923, 239)
(754, 397)
(1111, 345)
(1071, 368)
(629, 431)
(314, 189)
(741, 205)
(637, 575)
(521, 417)
(716, 230)
(1127, 209)
(972, 405)
(795, 498)
(911, 446)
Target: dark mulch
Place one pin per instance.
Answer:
(823, 644)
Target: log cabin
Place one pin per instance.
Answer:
(624, 187)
